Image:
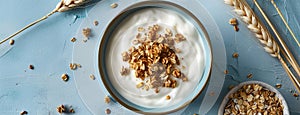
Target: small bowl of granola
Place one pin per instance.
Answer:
(155, 57)
(253, 97)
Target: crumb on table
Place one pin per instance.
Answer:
(86, 32)
(31, 67)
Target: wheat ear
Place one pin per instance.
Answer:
(263, 35)
(62, 6)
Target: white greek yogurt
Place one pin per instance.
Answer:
(192, 54)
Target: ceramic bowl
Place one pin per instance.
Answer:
(105, 48)
(264, 85)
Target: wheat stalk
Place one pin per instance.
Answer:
(62, 6)
(285, 51)
(263, 35)
(285, 23)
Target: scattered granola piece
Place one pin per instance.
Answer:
(146, 87)
(156, 27)
(156, 90)
(139, 85)
(114, 5)
(235, 55)
(106, 99)
(184, 79)
(138, 36)
(226, 71)
(31, 67)
(72, 110)
(177, 50)
(168, 83)
(107, 111)
(236, 28)
(61, 109)
(278, 85)
(295, 94)
(179, 38)
(176, 73)
(86, 32)
(168, 97)
(65, 77)
(73, 39)
(141, 29)
(23, 112)
(168, 32)
(174, 83)
(249, 76)
(73, 66)
(96, 23)
(131, 49)
(92, 77)
(11, 42)
(233, 21)
(85, 39)
(124, 71)
(125, 56)
(78, 65)
(135, 42)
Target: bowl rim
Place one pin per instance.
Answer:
(263, 84)
(205, 36)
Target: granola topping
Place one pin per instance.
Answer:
(154, 59)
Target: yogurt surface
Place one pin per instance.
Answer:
(191, 57)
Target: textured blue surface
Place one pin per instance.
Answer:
(47, 46)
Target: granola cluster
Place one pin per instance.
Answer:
(234, 23)
(154, 58)
(63, 109)
(253, 99)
